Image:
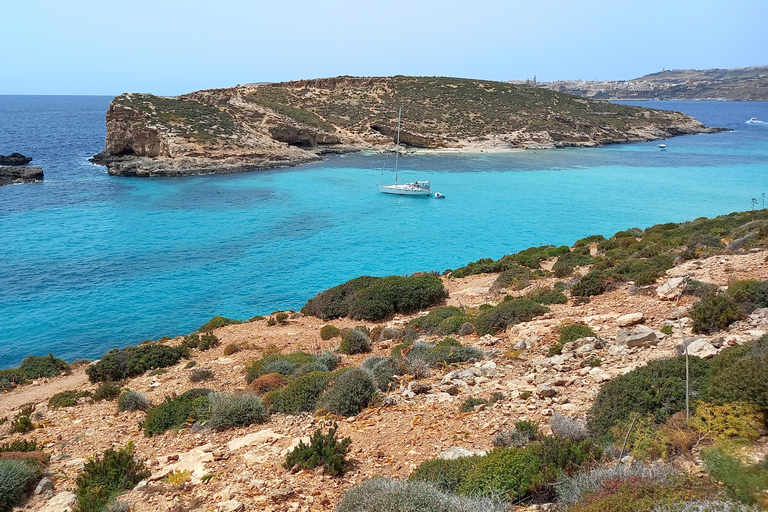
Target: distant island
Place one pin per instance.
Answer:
(283, 124)
(737, 84)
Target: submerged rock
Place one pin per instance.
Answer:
(11, 175)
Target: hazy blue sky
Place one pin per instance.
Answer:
(171, 47)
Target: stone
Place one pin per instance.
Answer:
(15, 159)
(281, 494)
(521, 345)
(760, 313)
(698, 347)
(11, 175)
(452, 389)
(260, 437)
(45, 486)
(438, 397)
(630, 319)
(545, 391)
(456, 452)
(62, 502)
(231, 506)
(193, 460)
(638, 336)
(599, 375)
(418, 388)
(672, 289)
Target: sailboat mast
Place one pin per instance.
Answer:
(397, 147)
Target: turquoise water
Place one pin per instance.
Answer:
(89, 262)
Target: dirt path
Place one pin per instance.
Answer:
(35, 394)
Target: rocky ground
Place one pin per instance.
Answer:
(419, 421)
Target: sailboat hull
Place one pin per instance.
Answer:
(407, 189)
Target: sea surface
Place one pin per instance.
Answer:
(89, 262)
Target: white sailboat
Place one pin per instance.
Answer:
(413, 188)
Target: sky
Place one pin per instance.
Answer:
(170, 47)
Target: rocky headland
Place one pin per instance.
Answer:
(284, 124)
(644, 309)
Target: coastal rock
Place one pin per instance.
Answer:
(630, 319)
(15, 159)
(639, 336)
(672, 289)
(11, 175)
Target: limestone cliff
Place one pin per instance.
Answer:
(275, 125)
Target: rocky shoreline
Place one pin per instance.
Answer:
(280, 125)
(11, 175)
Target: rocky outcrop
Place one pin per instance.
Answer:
(11, 175)
(277, 125)
(15, 159)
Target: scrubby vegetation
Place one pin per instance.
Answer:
(131, 361)
(67, 398)
(329, 332)
(355, 341)
(231, 411)
(375, 298)
(300, 395)
(177, 411)
(288, 364)
(351, 393)
(34, 367)
(103, 478)
(133, 401)
(16, 477)
(216, 322)
(323, 450)
(508, 313)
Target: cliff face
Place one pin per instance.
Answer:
(275, 125)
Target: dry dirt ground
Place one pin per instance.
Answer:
(386, 440)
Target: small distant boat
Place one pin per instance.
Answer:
(753, 119)
(413, 188)
(661, 147)
(438, 195)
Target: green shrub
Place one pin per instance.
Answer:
(216, 322)
(176, 411)
(533, 256)
(300, 395)
(34, 367)
(21, 445)
(508, 313)
(133, 401)
(547, 296)
(591, 283)
(107, 391)
(375, 298)
(191, 341)
(749, 294)
(504, 472)
(10, 378)
(231, 411)
(469, 404)
(714, 313)
(657, 388)
(16, 477)
(329, 331)
(200, 374)
(355, 341)
(269, 362)
(559, 456)
(208, 341)
(351, 393)
(566, 264)
(483, 266)
(575, 331)
(447, 475)
(446, 351)
(232, 348)
(523, 433)
(738, 375)
(667, 329)
(21, 422)
(516, 277)
(430, 322)
(190, 364)
(117, 365)
(323, 450)
(281, 317)
(451, 325)
(645, 440)
(382, 369)
(700, 288)
(329, 360)
(743, 482)
(385, 495)
(103, 478)
(730, 420)
(67, 398)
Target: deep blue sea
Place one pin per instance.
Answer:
(89, 262)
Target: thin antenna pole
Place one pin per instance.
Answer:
(397, 147)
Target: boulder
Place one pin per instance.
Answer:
(545, 391)
(282, 494)
(456, 452)
(638, 336)
(418, 388)
(15, 159)
(62, 502)
(698, 347)
(45, 486)
(630, 319)
(672, 289)
(11, 175)
(231, 506)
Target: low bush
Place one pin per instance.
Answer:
(281, 317)
(34, 367)
(667, 329)
(21, 445)
(232, 348)
(515, 277)
(657, 388)
(176, 411)
(268, 382)
(429, 322)
(329, 332)
(385, 495)
(191, 341)
(591, 283)
(323, 450)
(375, 298)
(446, 351)
(705, 506)
(133, 401)
(22, 423)
(641, 437)
(749, 294)
(508, 313)
(466, 329)
(738, 374)
(208, 341)
(714, 313)
(67, 398)
(351, 393)
(547, 296)
(504, 472)
(573, 332)
(447, 475)
(483, 266)
(107, 391)
(10, 378)
(523, 433)
(699, 288)
(216, 322)
(200, 374)
(117, 365)
(744, 482)
(355, 341)
(573, 430)
(103, 478)
(382, 370)
(231, 411)
(567, 263)
(329, 360)
(16, 477)
(469, 404)
(285, 364)
(300, 395)
(727, 421)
